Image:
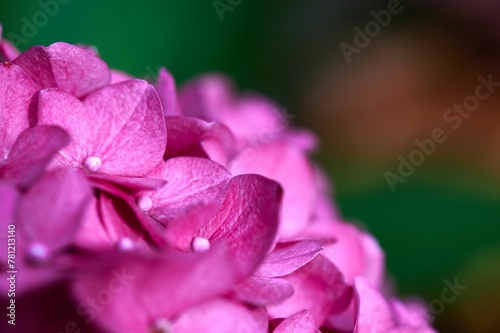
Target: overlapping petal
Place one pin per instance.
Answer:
(319, 287)
(50, 213)
(67, 67)
(31, 153)
(289, 167)
(300, 322)
(118, 129)
(195, 137)
(16, 92)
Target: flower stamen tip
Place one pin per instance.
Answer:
(200, 244)
(125, 244)
(145, 203)
(38, 252)
(92, 163)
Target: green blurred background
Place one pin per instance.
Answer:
(442, 222)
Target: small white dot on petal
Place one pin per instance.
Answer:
(125, 244)
(38, 252)
(145, 203)
(200, 244)
(92, 163)
(161, 326)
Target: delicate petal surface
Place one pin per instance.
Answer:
(31, 153)
(290, 168)
(195, 137)
(16, 92)
(248, 221)
(51, 211)
(222, 316)
(263, 291)
(167, 92)
(319, 287)
(64, 66)
(301, 322)
(374, 313)
(288, 257)
(121, 125)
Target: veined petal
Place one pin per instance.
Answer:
(194, 192)
(31, 153)
(289, 167)
(263, 291)
(300, 322)
(319, 287)
(288, 257)
(16, 92)
(248, 221)
(195, 137)
(120, 127)
(64, 66)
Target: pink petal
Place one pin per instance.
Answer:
(119, 76)
(303, 139)
(154, 289)
(254, 120)
(288, 257)
(221, 316)
(263, 291)
(16, 92)
(319, 288)
(409, 329)
(365, 257)
(412, 313)
(64, 66)
(206, 97)
(373, 312)
(301, 322)
(189, 137)
(129, 208)
(168, 93)
(92, 234)
(130, 137)
(129, 184)
(31, 153)
(52, 210)
(292, 170)
(7, 51)
(195, 190)
(120, 221)
(247, 224)
(10, 197)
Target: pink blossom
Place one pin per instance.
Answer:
(143, 208)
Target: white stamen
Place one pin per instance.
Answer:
(125, 244)
(161, 326)
(38, 252)
(200, 244)
(145, 203)
(92, 163)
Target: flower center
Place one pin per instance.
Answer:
(38, 252)
(200, 244)
(92, 163)
(161, 326)
(125, 244)
(145, 203)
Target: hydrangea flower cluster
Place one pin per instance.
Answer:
(138, 208)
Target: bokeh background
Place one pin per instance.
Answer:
(443, 221)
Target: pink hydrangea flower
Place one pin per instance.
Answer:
(142, 208)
